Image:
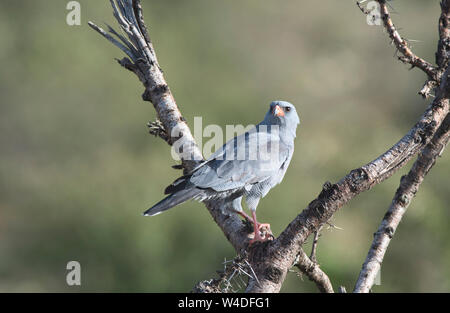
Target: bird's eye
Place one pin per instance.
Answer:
(287, 109)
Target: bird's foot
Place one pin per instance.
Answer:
(264, 227)
(262, 233)
(259, 238)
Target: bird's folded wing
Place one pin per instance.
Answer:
(247, 159)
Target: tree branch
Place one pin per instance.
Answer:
(443, 49)
(311, 269)
(408, 188)
(229, 279)
(409, 184)
(407, 55)
(314, 244)
(142, 61)
(273, 259)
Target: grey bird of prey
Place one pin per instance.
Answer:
(247, 166)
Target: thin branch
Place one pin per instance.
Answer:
(427, 88)
(314, 245)
(156, 128)
(401, 44)
(361, 7)
(311, 269)
(408, 188)
(112, 40)
(142, 61)
(228, 278)
(443, 50)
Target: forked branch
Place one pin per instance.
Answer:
(408, 188)
(410, 183)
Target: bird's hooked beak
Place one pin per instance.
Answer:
(277, 111)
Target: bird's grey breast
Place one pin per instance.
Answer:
(261, 189)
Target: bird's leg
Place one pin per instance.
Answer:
(245, 216)
(260, 225)
(257, 226)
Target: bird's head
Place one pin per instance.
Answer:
(284, 115)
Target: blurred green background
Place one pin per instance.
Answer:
(77, 167)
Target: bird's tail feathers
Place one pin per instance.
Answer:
(173, 200)
(179, 184)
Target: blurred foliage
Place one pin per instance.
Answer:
(77, 167)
